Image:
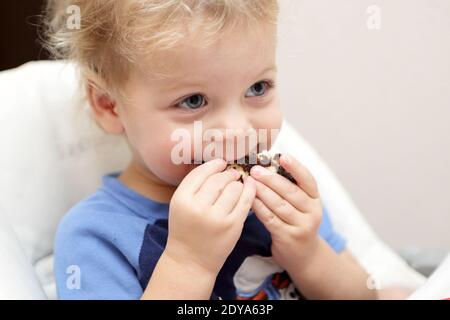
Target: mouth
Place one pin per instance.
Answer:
(263, 159)
(245, 159)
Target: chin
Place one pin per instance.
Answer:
(174, 174)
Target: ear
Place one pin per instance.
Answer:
(105, 109)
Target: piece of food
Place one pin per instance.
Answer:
(264, 159)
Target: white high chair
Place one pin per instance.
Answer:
(53, 155)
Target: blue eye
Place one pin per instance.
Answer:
(193, 102)
(258, 89)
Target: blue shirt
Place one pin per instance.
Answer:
(108, 245)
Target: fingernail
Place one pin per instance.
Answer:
(216, 161)
(256, 171)
(259, 171)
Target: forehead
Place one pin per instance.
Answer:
(236, 53)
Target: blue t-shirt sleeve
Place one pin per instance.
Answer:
(88, 264)
(326, 231)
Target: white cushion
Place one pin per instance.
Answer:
(53, 153)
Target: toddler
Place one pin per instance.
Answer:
(174, 224)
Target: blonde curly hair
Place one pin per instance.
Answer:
(116, 35)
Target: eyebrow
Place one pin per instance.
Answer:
(174, 85)
(272, 68)
(177, 84)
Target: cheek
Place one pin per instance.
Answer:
(154, 147)
(276, 118)
(157, 158)
(270, 119)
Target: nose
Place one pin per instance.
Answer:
(240, 136)
(235, 119)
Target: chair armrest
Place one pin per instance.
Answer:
(17, 277)
(437, 285)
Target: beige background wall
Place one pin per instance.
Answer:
(376, 105)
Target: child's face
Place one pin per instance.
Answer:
(227, 85)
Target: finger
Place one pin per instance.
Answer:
(244, 204)
(279, 206)
(283, 187)
(301, 174)
(270, 220)
(195, 179)
(214, 185)
(229, 197)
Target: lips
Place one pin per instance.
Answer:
(264, 159)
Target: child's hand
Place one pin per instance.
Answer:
(291, 212)
(207, 215)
